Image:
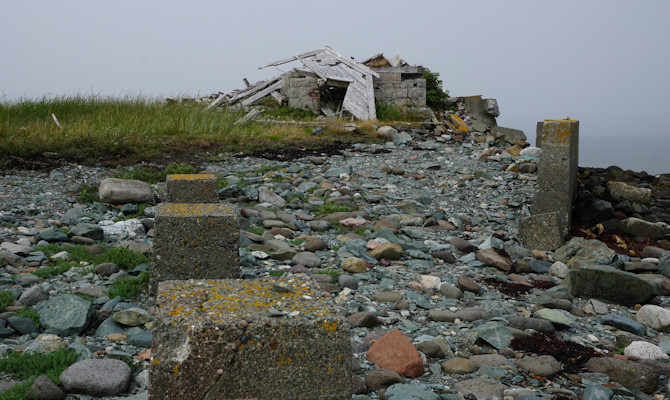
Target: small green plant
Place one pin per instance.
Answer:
(6, 299)
(386, 112)
(297, 242)
(29, 313)
(334, 224)
(256, 230)
(54, 270)
(86, 297)
(139, 213)
(120, 256)
(153, 175)
(360, 231)
(129, 287)
(277, 272)
(329, 271)
(436, 96)
(336, 247)
(222, 182)
(329, 207)
(30, 366)
(87, 193)
(286, 112)
(64, 229)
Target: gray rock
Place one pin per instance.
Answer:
(495, 334)
(442, 315)
(44, 388)
(22, 325)
(481, 388)
(620, 191)
(540, 365)
(595, 391)
(537, 324)
(639, 227)
(624, 323)
(32, 296)
(306, 258)
(556, 317)
(609, 283)
(580, 252)
(106, 269)
(132, 316)
(14, 248)
(654, 317)
(381, 378)
(123, 191)
(108, 326)
(630, 374)
(641, 350)
(53, 236)
(139, 338)
(231, 191)
(450, 291)
(65, 314)
(402, 138)
(347, 281)
(414, 390)
(469, 314)
(363, 319)
(268, 196)
(12, 259)
(87, 230)
(96, 377)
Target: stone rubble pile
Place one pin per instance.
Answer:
(415, 241)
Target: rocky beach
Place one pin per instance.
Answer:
(415, 241)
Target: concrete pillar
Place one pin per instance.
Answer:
(192, 188)
(194, 241)
(248, 339)
(556, 185)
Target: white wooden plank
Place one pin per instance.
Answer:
(372, 109)
(259, 95)
(352, 63)
(294, 58)
(216, 102)
(252, 90)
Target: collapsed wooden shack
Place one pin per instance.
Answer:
(329, 83)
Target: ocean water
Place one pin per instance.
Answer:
(634, 152)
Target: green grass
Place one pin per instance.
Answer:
(329, 271)
(112, 131)
(257, 230)
(54, 270)
(6, 299)
(388, 113)
(153, 175)
(290, 113)
(329, 207)
(277, 273)
(30, 366)
(297, 242)
(129, 287)
(88, 193)
(29, 313)
(120, 256)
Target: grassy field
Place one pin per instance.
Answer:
(109, 131)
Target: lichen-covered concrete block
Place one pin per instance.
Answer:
(192, 188)
(194, 241)
(248, 339)
(542, 231)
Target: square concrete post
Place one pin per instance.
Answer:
(556, 184)
(248, 339)
(194, 241)
(192, 188)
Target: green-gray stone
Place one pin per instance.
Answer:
(605, 282)
(559, 317)
(65, 314)
(495, 334)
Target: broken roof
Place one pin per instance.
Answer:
(328, 64)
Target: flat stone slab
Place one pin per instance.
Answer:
(248, 339)
(194, 241)
(192, 188)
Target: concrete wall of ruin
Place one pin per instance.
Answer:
(392, 90)
(302, 92)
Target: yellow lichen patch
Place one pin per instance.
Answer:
(192, 210)
(190, 176)
(175, 370)
(329, 327)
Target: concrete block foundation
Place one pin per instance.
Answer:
(194, 241)
(248, 339)
(192, 188)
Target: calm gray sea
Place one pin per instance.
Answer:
(637, 153)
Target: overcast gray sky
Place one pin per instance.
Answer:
(604, 62)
